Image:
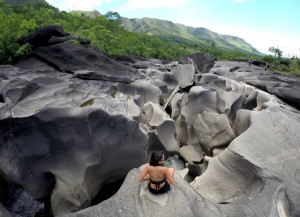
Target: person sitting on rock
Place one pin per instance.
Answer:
(160, 177)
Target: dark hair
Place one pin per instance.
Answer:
(155, 158)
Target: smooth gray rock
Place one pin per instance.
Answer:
(213, 130)
(201, 99)
(143, 91)
(39, 76)
(229, 103)
(190, 154)
(196, 169)
(167, 77)
(99, 148)
(285, 87)
(250, 100)
(17, 89)
(161, 127)
(185, 75)
(201, 62)
(229, 178)
(266, 148)
(86, 63)
(177, 102)
(134, 200)
(271, 144)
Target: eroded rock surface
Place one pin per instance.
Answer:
(287, 88)
(86, 63)
(133, 199)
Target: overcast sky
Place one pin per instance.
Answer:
(262, 23)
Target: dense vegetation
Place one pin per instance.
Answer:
(105, 32)
(108, 35)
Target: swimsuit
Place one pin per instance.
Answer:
(164, 189)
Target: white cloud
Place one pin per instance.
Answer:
(68, 5)
(147, 4)
(240, 1)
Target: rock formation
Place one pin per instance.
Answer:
(134, 199)
(286, 88)
(73, 121)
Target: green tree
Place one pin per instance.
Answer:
(277, 52)
(112, 16)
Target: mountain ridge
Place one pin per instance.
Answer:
(177, 31)
(27, 2)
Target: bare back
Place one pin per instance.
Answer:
(158, 173)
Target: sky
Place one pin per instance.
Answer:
(262, 23)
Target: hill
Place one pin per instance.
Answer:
(91, 14)
(185, 34)
(27, 2)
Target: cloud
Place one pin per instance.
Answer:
(147, 4)
(68, 5)
(240, 1)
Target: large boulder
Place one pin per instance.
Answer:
(202, 63)
(134, 200)
(213, 130)
(270, 143)
(86, 63)
(49, 35)
(41, 36)
(161, 129)
(142, 92)
(185, 75)
(229, 178)
(190, 154)
(168, 78)
(266, 148)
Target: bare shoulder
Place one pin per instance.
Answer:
(147, 167)
(165, 169)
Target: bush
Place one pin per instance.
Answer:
(268, 59)
(24, 50)
(294, 67)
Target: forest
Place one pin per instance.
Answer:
(106, 33)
